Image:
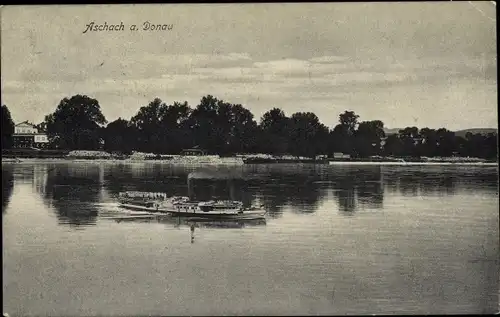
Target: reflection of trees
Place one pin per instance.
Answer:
(371, 194)
(304, 194)
(289, 185)
(225, 189)
(276, 187)
(432, 180)
(146, 177)
(272, 197)
(346, 197)
(419, 182)
(356, 187)
(7, 185)
(71, 191)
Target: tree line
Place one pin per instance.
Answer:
(223, 128)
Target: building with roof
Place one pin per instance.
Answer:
(27, 135)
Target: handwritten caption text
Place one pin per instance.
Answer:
(145, 26)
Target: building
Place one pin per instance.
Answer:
(27, 135)
(195, 151)
(340, 155)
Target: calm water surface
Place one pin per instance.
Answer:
(337, 240)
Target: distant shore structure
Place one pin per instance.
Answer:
(194, 151)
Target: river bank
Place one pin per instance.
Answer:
(28, 155)
(234, 162)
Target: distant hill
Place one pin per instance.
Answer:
(461, 133)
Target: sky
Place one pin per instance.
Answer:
(424, 64)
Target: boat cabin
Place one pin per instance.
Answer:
(220, 205)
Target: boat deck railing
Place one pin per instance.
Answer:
(144, 195)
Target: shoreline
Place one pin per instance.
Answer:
(229, 163)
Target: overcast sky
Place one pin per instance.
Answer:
(408, 64)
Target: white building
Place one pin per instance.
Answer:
(27, 135)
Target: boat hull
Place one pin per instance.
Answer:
(257, 214)
(132, 206)
(201, 215)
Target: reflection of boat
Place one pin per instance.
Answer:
(228, 224)
(188, 221)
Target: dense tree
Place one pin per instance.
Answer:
(349, 122)
(76, 123)
(174, 121)
(7, 128)
(214, 125)
(274, 125)
(368, 138)
(484, 146)
(242, 130)
(342, 136)
(491, 146)
(332, 143)
(307, 135)
(393, 145)
(428, 145)
(274, 121)
(118, 135)
(222, 127)
(147, 124)
(446, 144)
(42, 126)
(410, 139)
(225, 128)
(206, 130)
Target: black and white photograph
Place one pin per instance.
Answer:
(250, 159)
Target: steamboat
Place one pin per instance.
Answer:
(183, 206)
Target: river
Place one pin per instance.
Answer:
(343, 239)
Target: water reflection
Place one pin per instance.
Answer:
(72, 190)
(186, 222)
(433, 180)
(7, 185)
(72, 193)
(192, 224)
(358, 187)
(432, 260)
(290, 187)
(144, 177)
(275, 188)
(224, 189)
(297, 188)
